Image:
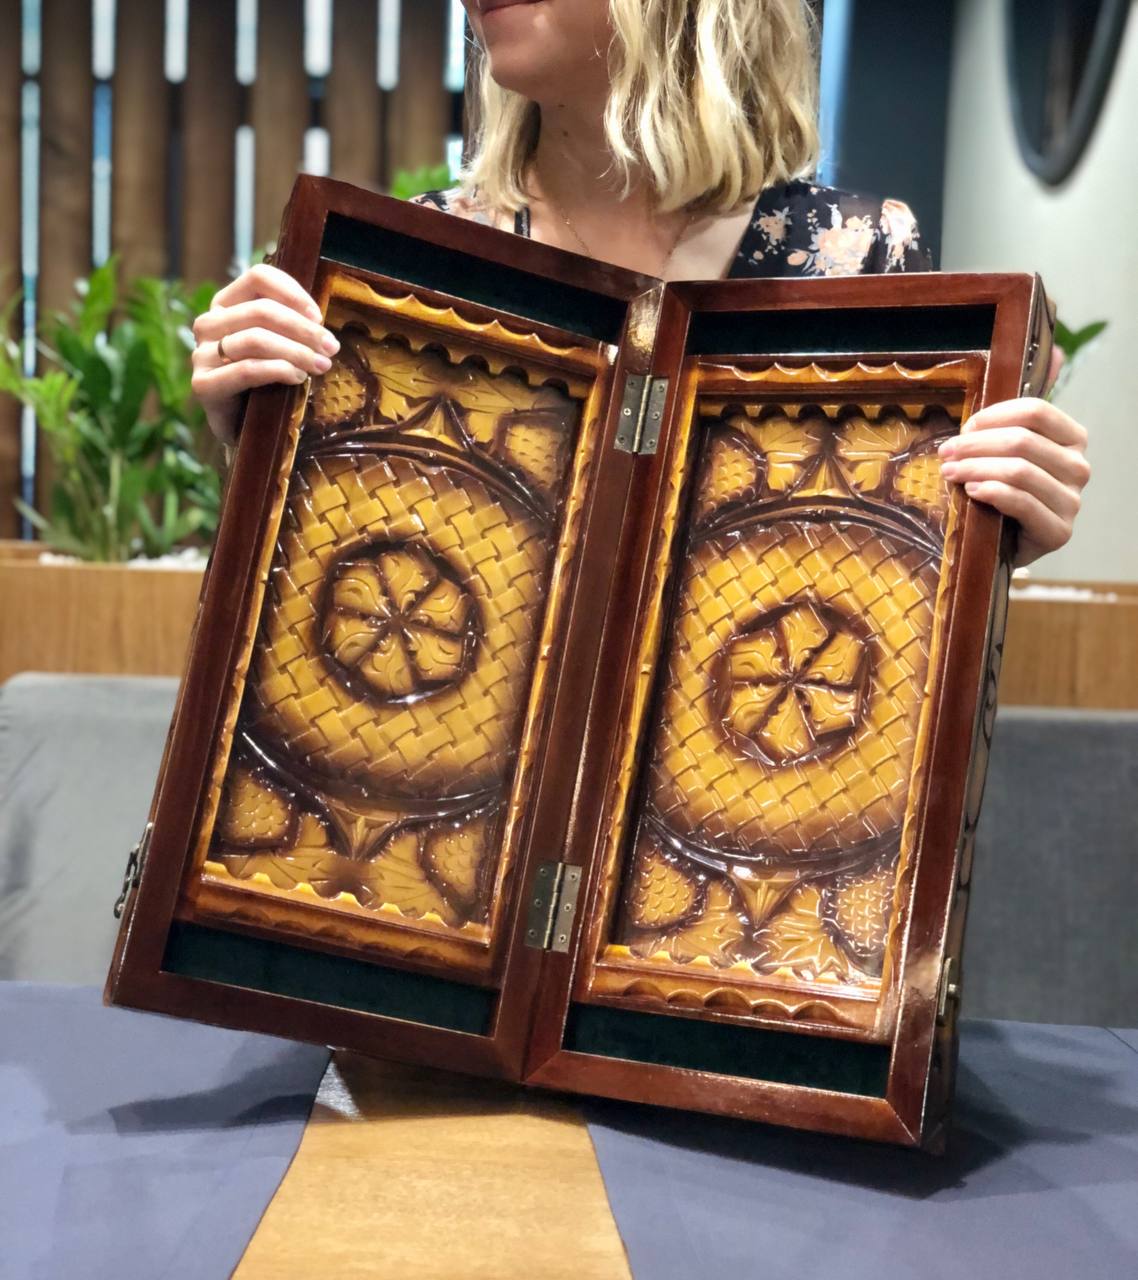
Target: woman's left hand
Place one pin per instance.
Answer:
(1026, 458)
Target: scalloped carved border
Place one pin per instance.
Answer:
(945, 374)
(620, 978)
(500, 345)
(949, 384)
(273, 910)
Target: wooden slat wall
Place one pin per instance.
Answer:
(10, 80)
(1058, 653)
(173, 206)
(65, 152)
(418, 116)
(354, 106)
(211, 112)
(65, 167)
(141, 139)
(280, 112)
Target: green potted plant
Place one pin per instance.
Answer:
(134, 482)
(133, 474)
(413, 182)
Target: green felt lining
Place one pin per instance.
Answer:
(241, 961)
(751, 1053)
(509, 289)
(841, 331)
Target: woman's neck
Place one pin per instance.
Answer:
(571, 175)
(577, 200)
(573, 166)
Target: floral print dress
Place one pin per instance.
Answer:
(797, 229)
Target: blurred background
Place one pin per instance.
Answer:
(158, 140)
(147, 149)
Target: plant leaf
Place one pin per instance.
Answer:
(413, 182)
(98, 294)
(136, 382)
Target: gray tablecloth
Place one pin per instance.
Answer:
(1040, 1180)
(136, 1147)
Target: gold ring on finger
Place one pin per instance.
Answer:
(221, 351)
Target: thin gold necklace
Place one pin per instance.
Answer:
(591, 254)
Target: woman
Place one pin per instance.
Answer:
(668, 137)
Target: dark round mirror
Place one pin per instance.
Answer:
(1061, 55)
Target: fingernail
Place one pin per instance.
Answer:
(972, 488)
(314, 312)
(330, 343)
(322, 363)
(950, 469)
(947, 448)
(298, 375)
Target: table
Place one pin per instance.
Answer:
(133, 1145)
(411, 1172)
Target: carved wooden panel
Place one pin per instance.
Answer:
(379, 745)
(694, 631)
(760, 841)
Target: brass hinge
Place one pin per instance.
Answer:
(553, 905)
(641, 413)
(135, 861)
(949, 989)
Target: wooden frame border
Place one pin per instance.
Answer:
(137, 978)
(923, 1044)
(619, 528)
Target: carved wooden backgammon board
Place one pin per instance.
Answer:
(593, 678)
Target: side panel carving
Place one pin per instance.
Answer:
(762, 865)
(379, 747)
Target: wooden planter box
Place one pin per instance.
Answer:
(1072, 645)
(109, 619)
(99, 618)
(112, 620)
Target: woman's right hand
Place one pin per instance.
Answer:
(271, 331)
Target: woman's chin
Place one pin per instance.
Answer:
(520, 71)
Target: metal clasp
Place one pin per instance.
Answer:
(948, 989)
(135, 861)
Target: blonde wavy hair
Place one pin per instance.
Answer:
(711, 100)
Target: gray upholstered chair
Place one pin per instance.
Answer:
(1052, 936)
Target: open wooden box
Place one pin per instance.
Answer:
(593, 678)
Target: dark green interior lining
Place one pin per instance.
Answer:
(509, 289)
(242, 961)
(848, 330)
(751, 1053)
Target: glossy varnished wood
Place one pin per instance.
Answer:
(136, 977)
(408, 1172)
(911, 1112)
(615, 574)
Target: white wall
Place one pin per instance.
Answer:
(1083, 240)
